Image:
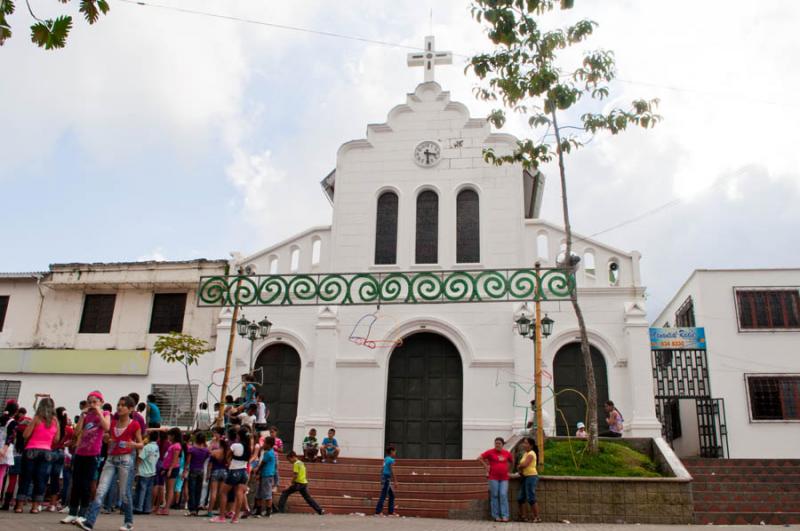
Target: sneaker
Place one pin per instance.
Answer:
(324, 461)
(65, 510)
(126, 527)
(79, 520)
(334, 461)
(218, 520)
(234, 520)
(83, 525)
(69, 519)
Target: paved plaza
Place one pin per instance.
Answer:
(47, 521)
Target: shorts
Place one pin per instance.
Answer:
(527, 489)
(236, 477)
(265, 484)
(331, 451)
(218, 475)
(16, 468)
(161, 477)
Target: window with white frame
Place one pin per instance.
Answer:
(774, 396)
(9, 390)
(768, 308)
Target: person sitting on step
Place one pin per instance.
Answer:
(330, 447)
(310, 446)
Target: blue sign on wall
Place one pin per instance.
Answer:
(678, 338)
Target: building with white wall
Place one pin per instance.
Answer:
(416, 196)
(752, 328)
(79, 327)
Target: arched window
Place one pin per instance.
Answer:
(386, 229)
(427, 247)
(542, 246)
(316, 251)
(295, 260)
(273, 265)
(588, 262)
(468, 227)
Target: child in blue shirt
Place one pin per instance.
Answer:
(266, 478)
(388, 482)
(330, 447)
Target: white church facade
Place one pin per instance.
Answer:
(438, 379)
(438, 376)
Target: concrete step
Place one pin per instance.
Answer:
(347, 469)
(730, 486)
(407, 491)
(348, 485)
(768, 518)
(363, 503)
(368, 512)
(746, 507)
(772, 496)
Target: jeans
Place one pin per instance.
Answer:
(302, 488)
(35, 473)
(195, 489)
(111, 501)
(84, 468)
(527, 489)
(56, 467)
(498, 497)
(386, 489)
(66, 484)
(117, 467)
(143, 498)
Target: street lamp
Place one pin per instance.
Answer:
(253, 331)
(535, 329)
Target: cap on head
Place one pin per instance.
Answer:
(581, 425)
(97, 394)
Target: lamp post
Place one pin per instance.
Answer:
(253, 331)
(535, 329)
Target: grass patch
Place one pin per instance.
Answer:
(613, 460)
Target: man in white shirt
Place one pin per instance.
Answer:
(262, 413)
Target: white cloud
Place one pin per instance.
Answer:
(156, 255)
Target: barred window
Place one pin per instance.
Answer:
(98, 311)
(9, 389)
(3, 309)
(468, 237)
(386, 229)
(768, 308)
(685, 314)
(774, 397)
(168, 310)
(173, 401)
(427, 244)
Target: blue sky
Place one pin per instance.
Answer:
(158, 134)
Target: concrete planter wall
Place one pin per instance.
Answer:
(665, 500)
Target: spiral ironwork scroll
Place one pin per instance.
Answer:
(408, 287)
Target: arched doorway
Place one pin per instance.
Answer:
(424, 398)
(279, 366)
(569, 373)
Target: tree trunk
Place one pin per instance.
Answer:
(591, 386)
(191, 397)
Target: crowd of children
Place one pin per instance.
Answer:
(122, 459)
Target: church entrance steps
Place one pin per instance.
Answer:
(429, 489)
(745, 491)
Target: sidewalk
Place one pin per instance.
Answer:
(49, 521)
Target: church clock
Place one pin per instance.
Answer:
(427, 153)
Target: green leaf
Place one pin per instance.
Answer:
(51, 34)
(6, 7)
(90, 11)
(5, 33)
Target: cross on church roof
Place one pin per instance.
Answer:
(429, 58)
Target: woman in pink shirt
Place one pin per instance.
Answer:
(498, 462)
(40, 435)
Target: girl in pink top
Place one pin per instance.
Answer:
(40, 435)
(171, 467)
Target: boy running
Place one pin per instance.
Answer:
(299, 484)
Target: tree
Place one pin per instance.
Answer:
(183, 349)
(525, 72)
(51, 33)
